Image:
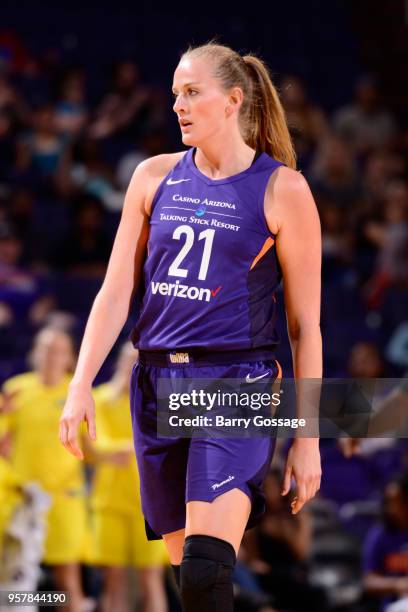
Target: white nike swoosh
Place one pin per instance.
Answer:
(248, 379)
(171, 182)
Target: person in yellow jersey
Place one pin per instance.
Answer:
(10, 491)
(119, 528)
(36, 455)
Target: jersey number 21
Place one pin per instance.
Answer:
(188, 232)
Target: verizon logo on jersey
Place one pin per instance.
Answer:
(184, 291)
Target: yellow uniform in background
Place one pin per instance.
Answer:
(38, 455)
(10, 497)
(119, 530)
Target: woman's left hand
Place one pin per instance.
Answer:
(303, 463)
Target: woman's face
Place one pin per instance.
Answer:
(202, 107)
(53, 352)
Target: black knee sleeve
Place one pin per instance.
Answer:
(206, 574)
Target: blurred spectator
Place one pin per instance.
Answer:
(384, 455)
(391, 238)
(277, 552)
(70, 110)
(365, 124)
(337, 241)
(85, 248)
(39, 151)
(84, 170)
(364, 361)
(21, 209)
(152, 142)
(334, 175)
(24, 296)
(128, 106)
(307, 122)
(385, 557)
(11, 497)
(11, 101)
(38, 398)
(381, 167)
(32, 82)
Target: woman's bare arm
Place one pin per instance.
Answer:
(293, 216)
(111, 306)
(291, 213)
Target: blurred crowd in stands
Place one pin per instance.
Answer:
(65, 163)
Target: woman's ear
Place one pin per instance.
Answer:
(235, 99)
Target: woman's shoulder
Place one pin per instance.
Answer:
(287, 195)
(151, 172)
(160, 165)
(287, 179)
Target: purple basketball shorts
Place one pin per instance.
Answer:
(174, 471)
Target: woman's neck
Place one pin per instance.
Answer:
(220, 160)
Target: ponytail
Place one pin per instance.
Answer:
(262, 117)
(268, 130)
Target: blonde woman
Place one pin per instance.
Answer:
(207, 235)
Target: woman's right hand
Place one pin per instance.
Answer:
(79, 406)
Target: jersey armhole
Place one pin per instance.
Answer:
(158, 193)
(261, 204)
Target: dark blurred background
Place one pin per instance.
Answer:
(85, 95)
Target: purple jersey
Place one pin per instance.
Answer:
(211, 270)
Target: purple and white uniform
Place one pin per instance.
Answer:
(208, 311)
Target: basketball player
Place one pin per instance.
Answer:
(37, 397)
(219, 225)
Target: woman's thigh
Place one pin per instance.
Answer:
(225, 517)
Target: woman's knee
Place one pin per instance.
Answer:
(206, 574)
(225, 517)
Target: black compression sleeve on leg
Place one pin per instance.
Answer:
(206, 574)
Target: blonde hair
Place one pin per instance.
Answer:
(262, 118)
